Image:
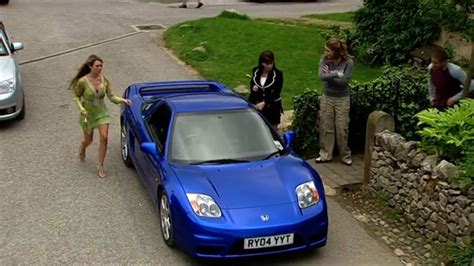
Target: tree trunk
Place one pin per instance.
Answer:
(470, 71)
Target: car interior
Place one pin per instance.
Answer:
(158, 125)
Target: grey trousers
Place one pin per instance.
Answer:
(334, 126)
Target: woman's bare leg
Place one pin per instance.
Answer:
(104, 132)
(88, 137)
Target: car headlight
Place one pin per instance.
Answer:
(7, 86)
(307, 194)
(204, 205)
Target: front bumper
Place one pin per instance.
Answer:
(205, 238)
(11, 104)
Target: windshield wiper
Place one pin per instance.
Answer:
(272, 154)
(220, 161)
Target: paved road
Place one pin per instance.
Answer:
(54, 208)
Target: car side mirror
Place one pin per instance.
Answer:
(17, 46)
(289, 138)
(149, 148)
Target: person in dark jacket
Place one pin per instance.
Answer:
(265, 88)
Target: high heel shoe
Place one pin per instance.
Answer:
(100, 171)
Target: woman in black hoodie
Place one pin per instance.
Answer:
(265, 88)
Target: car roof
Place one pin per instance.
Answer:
(198, 102)
(190, 95)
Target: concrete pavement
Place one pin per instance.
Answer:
(341, 177)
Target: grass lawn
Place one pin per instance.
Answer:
(341, 17)
(233, 47)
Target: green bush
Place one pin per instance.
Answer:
(305, 123)
(233, 14)
(456, 254)
(389, 30)
(449, 133)
(400, 92)
(454, 15)
(466, 171)
(346, 34)
(394, 28)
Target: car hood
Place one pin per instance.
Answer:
(246, 185)
(7, 68)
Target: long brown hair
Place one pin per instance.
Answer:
(339, 47)
(266, 57)
(85, 69)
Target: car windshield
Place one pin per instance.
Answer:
(222, 137)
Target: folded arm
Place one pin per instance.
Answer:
(324, 74)
(343, 81)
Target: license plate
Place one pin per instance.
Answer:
(268, 241)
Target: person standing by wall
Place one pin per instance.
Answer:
(90, 87)
(335, 71)
(265, 88)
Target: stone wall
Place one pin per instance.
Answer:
(416, 185)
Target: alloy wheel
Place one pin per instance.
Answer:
(124, 143)
(165, 216)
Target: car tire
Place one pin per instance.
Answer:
(166, 220)
(124, 143)
(22, 114)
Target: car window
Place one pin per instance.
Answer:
(3, 49)
(221, 135)
(3, 43)
(159, 124)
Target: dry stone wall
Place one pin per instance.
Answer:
(417, 186)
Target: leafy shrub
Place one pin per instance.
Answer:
(394, 28)
(455, 254)
(453, 15)
(449, 133)
(466, 172)
(305, 123)
(233, 14)
(399, 91)
(347, 34)
(389, 30)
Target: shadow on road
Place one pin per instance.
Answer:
(282, 259)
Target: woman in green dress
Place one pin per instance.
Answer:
(90, 87)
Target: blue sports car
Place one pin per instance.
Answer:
(224, 183)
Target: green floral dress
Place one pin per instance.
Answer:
(92, 101)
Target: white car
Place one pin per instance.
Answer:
(12, 96)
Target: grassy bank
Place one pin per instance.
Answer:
(341, 17)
